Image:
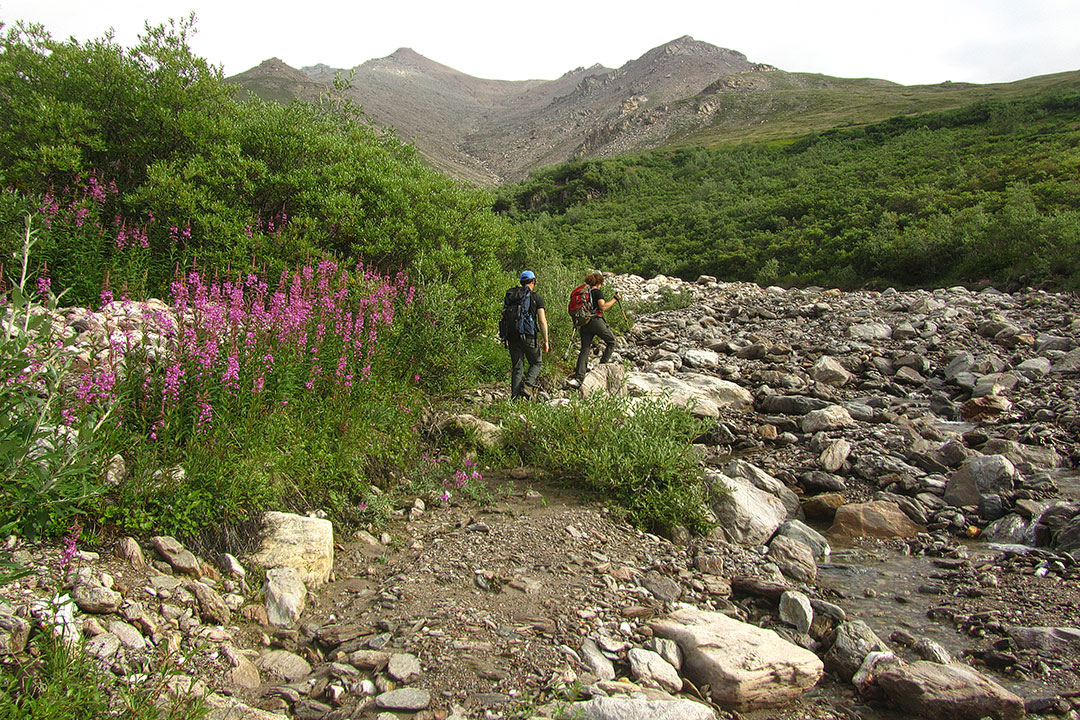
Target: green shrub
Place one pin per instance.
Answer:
(635, 453)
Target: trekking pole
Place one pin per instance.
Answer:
(625, 319)
(569, 345)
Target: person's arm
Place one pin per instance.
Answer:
(606, 304)
(541, 317)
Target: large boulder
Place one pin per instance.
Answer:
(704, 395)
(764, 481)
(853, 642)
(955, 691)
(745, 514)
(978, 477)
(486, 434)
(744, 666)
(305, 544)
(879, 518)
(605, 379)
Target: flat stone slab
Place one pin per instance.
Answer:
(745, 666)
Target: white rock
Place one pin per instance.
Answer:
(303, 543)
(651, 669)
(286, 596)
(745, 666)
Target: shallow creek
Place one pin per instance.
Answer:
(889, 590)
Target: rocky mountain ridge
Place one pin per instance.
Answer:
(491, 131)
(683, 92)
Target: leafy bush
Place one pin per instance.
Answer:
(140, 161)
(633, 452)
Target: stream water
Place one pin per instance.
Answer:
(889, 590)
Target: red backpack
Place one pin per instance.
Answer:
(580, 307)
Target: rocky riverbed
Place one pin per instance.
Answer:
(898, 529)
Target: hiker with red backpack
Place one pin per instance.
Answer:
(587, 306)
(522, 328)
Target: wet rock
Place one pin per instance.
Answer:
(1065, 640)
(303, 543)
(744, 666)
(927, 649)
(878, 519)
(854, 641)
(931, 690)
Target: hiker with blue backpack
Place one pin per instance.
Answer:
(523, 327)
(587, 306)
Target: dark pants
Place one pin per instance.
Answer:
(522, 349)
(594, 328)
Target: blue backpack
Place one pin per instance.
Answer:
(518, 318)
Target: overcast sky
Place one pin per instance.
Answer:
(911, 42)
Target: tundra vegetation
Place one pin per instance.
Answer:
(984, 193)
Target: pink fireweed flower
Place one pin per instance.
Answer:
(230, 378)
(70, 546)
(206, 415)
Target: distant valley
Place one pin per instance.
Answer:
(685, 92)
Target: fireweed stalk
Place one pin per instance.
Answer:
(238, 345)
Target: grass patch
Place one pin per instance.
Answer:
(634, 452)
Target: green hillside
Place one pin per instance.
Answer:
(987, 192)
(772, 105)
